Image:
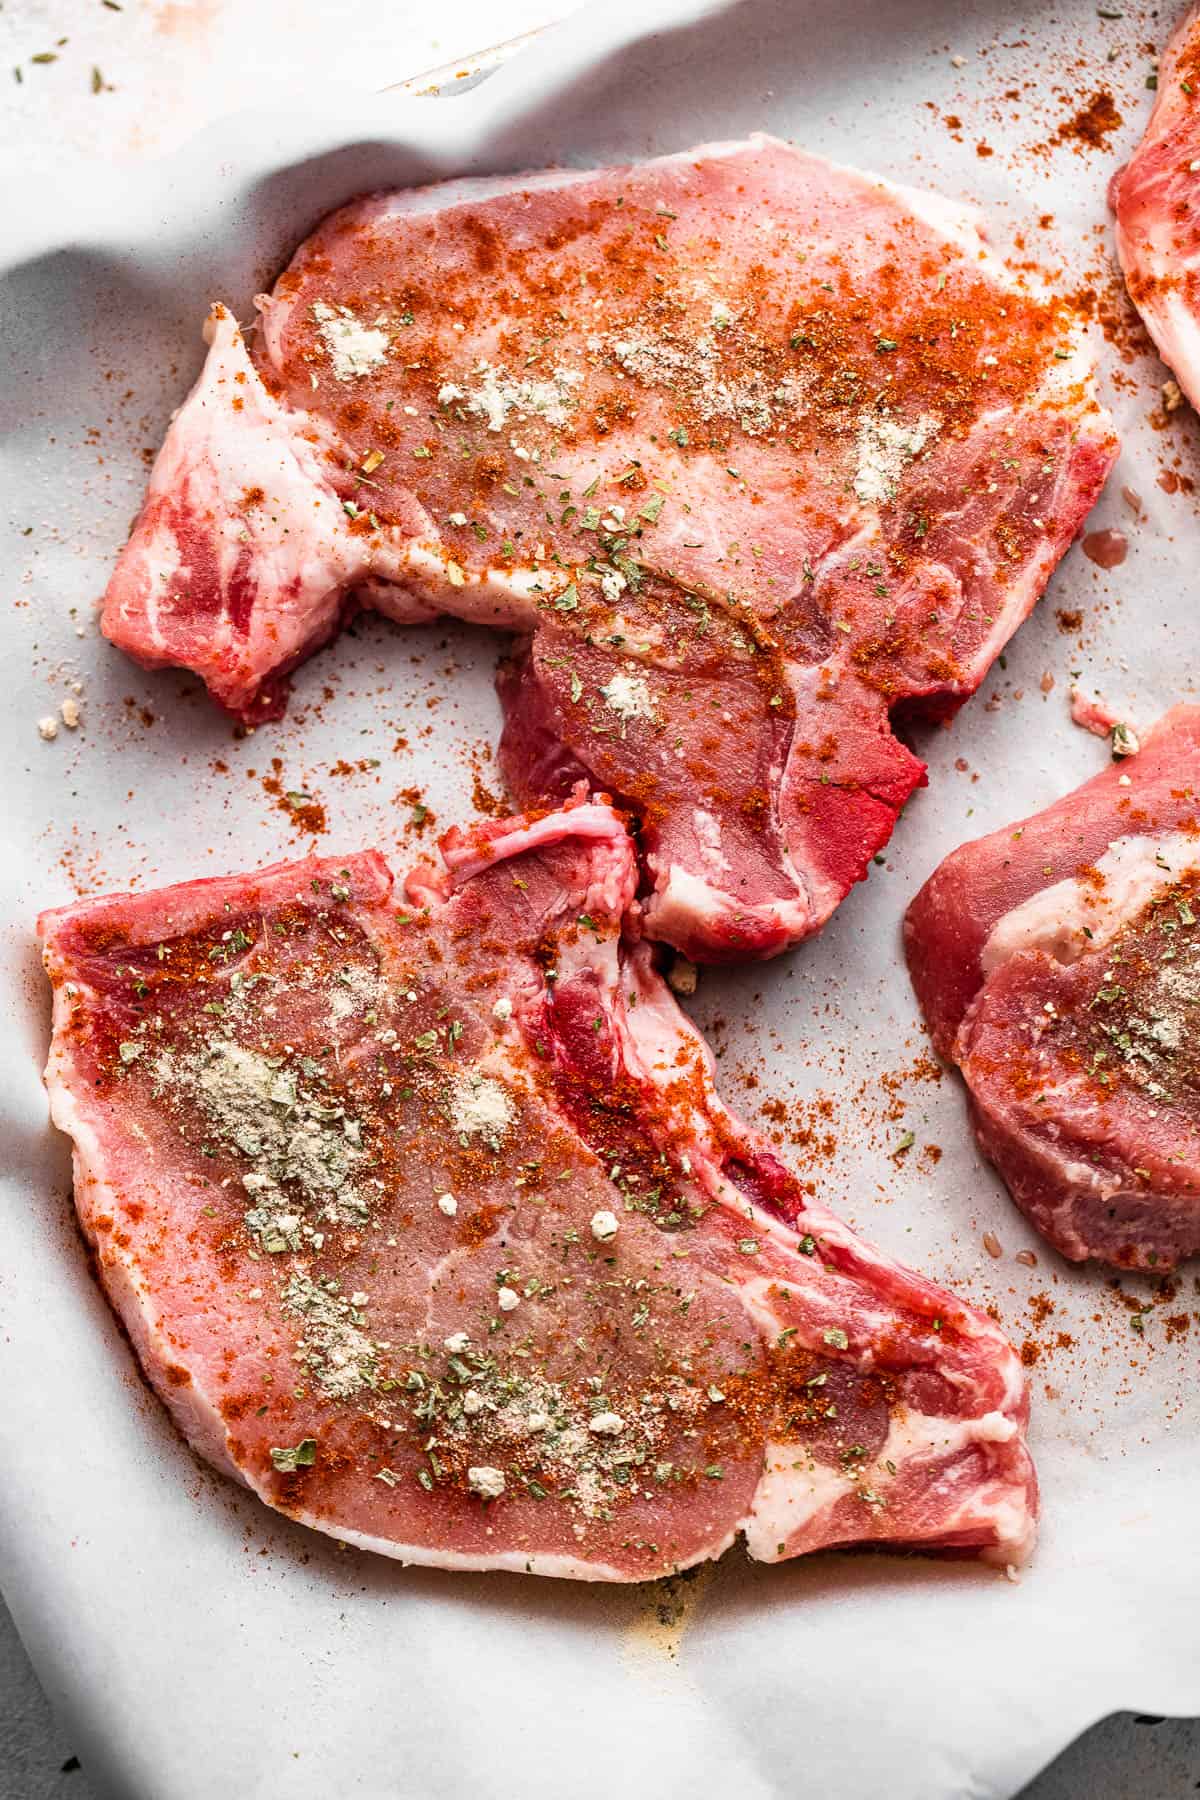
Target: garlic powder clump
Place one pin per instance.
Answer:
(480, 1107)
(885, 448)
(337, 1353)
(354, 990)
(629, 697)
(352, 347)
(692, 367)
(303, 1152)
(495, 396)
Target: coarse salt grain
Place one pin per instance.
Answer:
(605, 1226)
(447, 1204)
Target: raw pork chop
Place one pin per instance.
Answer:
(426, 1222)
(751, 450)
(1058, 963)
(1156, 198)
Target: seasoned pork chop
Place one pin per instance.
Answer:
(1058, 964)
(1156, 198)
(751, 451)
(426, 1222)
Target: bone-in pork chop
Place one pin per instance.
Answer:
(1058, 964)
(751, 450)
(1156, 199)
(426, 1222)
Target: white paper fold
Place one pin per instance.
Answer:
(196, 1644)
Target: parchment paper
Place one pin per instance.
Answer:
(196, 1644)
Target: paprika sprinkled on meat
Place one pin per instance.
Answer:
(1058, 963)
(425, 1220)
(748, 450)
(1156, 199)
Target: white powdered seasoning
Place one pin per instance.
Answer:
(629, 697)
(885, 449)
(255, 1105)
(693, 368)
(338, 1355)
(495, 396)
(352, 347)
(480, 1107)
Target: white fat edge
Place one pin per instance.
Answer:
(1053, 920)
(127, 1288)
(792, 1491)
(265, 445)
(682, 900)
(998, 1503)
(514, 1562)
(1082, 341)
(274, 311)
(708, 836)
(956, 221)
(414, 568)
(964, 225)
(965, 1377)
(474, 190)
(1176, 333)
(1011, 1518)
(653, 1035)
(923, 1437)
(832, 1297)
(592, 821)
(161, 561)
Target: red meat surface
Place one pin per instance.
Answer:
(423, 1215)
(1156, 199)
(1057, 962)
(755, 454)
